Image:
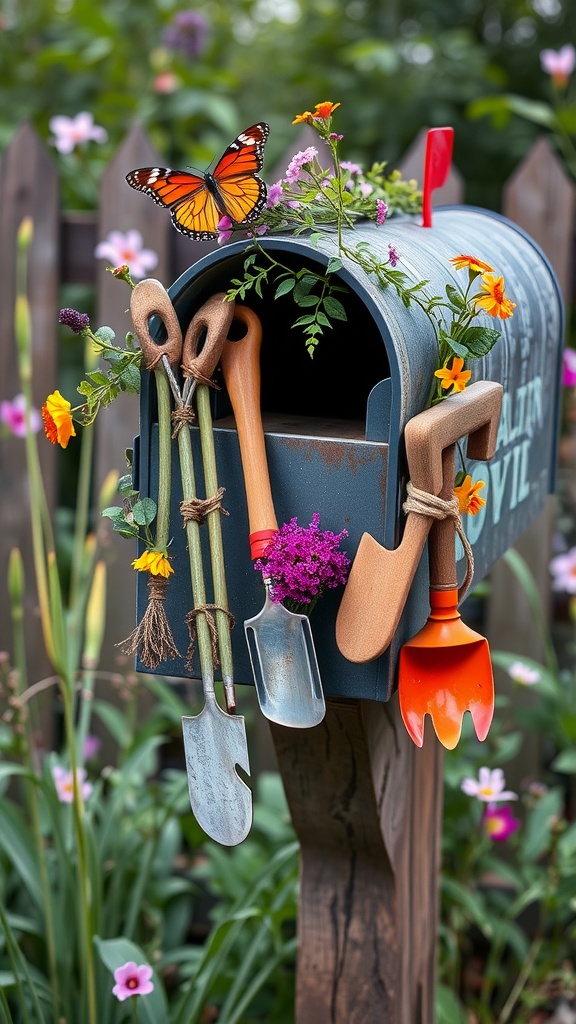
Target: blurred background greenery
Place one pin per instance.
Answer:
(194, 81)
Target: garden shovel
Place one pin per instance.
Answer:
(445, 670)
(380, 578)
(214, 741)
(279, 642)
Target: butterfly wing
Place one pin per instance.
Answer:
(198, 201)
(239, 191)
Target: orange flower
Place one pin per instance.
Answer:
(306, 116)
(325, 110)
(454, 377)
(494, 301)
(469, 499)
(473, 264)
(155, 562)
(57, 416)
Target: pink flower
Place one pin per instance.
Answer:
(499, 823)
(305, 156)
(352, 168)
(559, 64)
(70, 132)
(132, 980)
(381, 211)
(563, 569)
(274, 194)
(92, 745)
(569, 367)
(119, 249)
(224, 229)
(488, 787)
(523, 674)
(63, 780)
(366, 189)
(393, 254)
(13, 416)
(335, 137)
(165, 83)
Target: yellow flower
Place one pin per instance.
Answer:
(155, 562)
(57, 416)
(454, 377)
(494, 301)
(306, 116)
(475, 265)
(469, 499)
(325, 110)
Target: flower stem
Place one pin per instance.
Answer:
(164, 460)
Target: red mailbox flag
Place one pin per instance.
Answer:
(437, 163)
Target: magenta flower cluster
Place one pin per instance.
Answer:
(302, 562)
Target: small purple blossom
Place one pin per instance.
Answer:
(274, 194)
(298, 161)
(352, 168)
(335, 137)
(393, 254)
(381, 211)
(77, 322)
(304, 561)
(92, 745)
(563, 569)
(260, 229)
(569, 367)
(559, 64)
(187, 34)
(224, 227)
(132, 980)
(499, 823)
(366, 189)
(13, 416)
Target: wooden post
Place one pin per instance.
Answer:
(366, 805)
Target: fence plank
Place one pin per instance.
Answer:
(28, 187)
(412, 166)
(123, 209)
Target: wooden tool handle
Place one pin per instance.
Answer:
(150, 298)
(441, 543)
(240, 361)
(214, 317)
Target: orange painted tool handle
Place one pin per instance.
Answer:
(240, 361)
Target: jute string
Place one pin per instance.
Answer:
(430, 505)
(152, 638)
(208, 611)
(196, 510)
(183, 414)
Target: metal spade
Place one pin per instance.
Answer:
(279, 642)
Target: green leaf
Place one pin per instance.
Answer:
(449, 1009)
(17, 842)
(455, 296)
(144, 511)
(303, 320)
(306, 300)
(456, 347)
(334, 264)
(479, 340)
(105, 334)
(113, 720)
(334, 308)
(129, 379)
(125, 484)
(565, 763)
(285, 287)
(114, 512)
(99, 378)
(539, 824)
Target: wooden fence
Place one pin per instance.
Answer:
(539, 197)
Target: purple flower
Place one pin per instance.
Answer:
(305, 156)
(304, 561)
(92, 745)
(569, 367)
(260, 229)
(366, 189)
(381, 211)
(352, 168)
(77, 322)
(499, 823)
(393, 254)
(336, 137)
(132, 980)
(559, 64)
(274, 194)
(13, 416)
(187, 34)
(224, 229)
(563, 569)
(70, 132)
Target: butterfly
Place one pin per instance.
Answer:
(198, 201)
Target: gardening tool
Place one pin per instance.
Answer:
(380, 579)
(445, 669)
(214, 741)
(280, 642)
(437, 161)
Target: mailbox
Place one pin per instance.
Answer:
(334, 424)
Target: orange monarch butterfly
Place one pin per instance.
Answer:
(198, 201)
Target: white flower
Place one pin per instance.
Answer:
(119, 249)
(563, 569)
(69, 132)
(63, 780)
(522, 673)
(488, 787)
